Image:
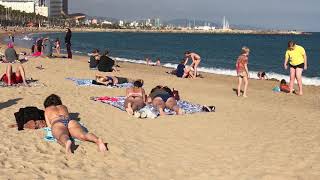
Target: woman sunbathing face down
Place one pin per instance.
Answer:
(135, 98)
(63, 127)
(163, 97)
(108, 80)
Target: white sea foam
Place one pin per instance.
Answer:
(229, 72)
(26, 38)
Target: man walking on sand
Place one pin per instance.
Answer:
(196, 59)
(297, 58)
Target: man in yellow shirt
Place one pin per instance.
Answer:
(297, 58)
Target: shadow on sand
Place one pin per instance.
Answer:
(9, 103)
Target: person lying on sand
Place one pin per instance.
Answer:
(284, 87)
(162, 97)
(57, 118)
(135, 98)
(110, 80)
(17, 77)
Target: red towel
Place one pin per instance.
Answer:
(106, 98)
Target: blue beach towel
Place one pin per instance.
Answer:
(49, 137)
(88, 82)
(118, 102)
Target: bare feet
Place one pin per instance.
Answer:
(180, 111)
(129, 111)
(68, 147)
(26, 84)
(102, 147)
(245, 96)
(161, 112)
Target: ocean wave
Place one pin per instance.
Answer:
(230, 72)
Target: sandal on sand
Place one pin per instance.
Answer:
(209, 108)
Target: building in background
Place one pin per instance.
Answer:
(65, 7)
(42, 10)
(27, 6)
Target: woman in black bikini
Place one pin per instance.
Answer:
(110, 80)
(162, 97)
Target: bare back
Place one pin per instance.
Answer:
(53, 113)
(195, 56)
(135, 92)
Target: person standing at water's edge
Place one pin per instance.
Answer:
(196, 59)
(297, 58)
(242, 71)
(67, 40)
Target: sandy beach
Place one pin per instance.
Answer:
(267, 136)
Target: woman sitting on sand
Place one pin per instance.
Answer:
(94, 59)
(106, 64)
(162, 97)
(10, 54)
(14, 77)
(110, 80)
(135, 97)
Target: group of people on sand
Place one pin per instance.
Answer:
(63, 127)
(44, 46)
(295, 59)
(185, 71)
(101, 62)
(160, 97)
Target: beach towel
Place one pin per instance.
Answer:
(49, 137)
(88, 82)
(118, 102)
(30, 82)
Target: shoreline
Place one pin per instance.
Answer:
(311, 81)
(182, 31)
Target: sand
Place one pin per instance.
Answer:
(268, 136)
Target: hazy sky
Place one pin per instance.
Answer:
(287, 14)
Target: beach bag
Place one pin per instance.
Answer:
(26, 114)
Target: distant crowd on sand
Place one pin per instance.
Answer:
(43, 46)
(56, 115)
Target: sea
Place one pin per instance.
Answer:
(218, 51)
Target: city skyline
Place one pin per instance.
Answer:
(291, 15)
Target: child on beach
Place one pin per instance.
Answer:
(284, 87)
(58, 46)
(158, 63)
(242, 70)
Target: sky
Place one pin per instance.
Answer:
(301, 15)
